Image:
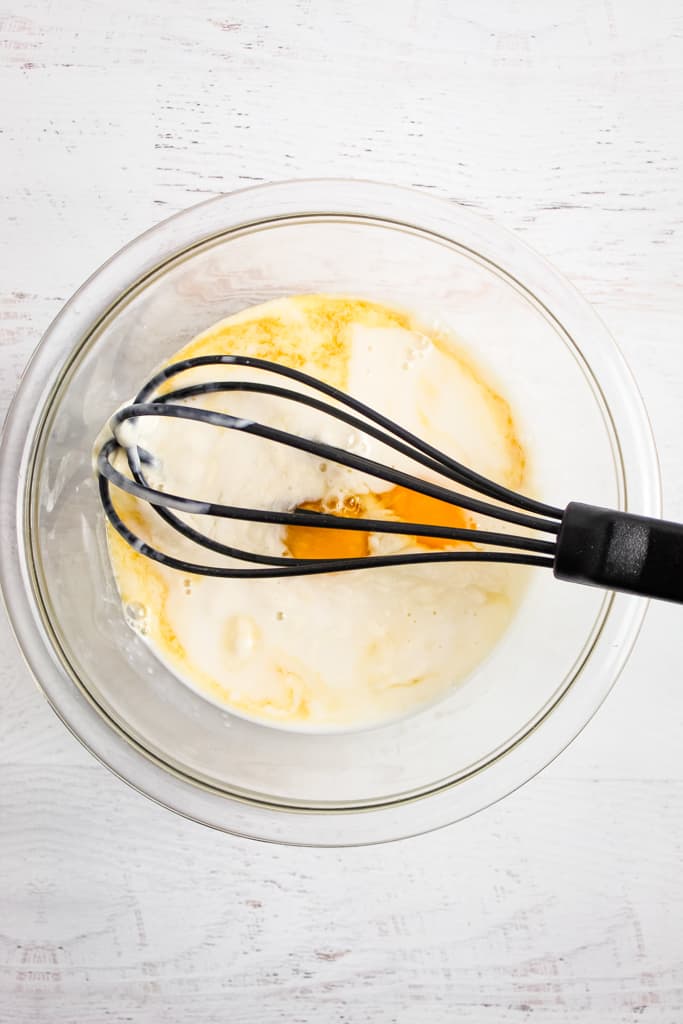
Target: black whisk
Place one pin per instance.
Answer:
(601, 547)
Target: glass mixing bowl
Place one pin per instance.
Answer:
(578, 411)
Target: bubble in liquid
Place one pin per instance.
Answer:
(135, 611)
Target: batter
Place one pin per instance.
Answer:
(335, 651)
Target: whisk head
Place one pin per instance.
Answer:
(472, 491)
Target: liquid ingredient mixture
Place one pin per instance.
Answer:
(343, 650)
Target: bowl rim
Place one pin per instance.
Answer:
(217, 216)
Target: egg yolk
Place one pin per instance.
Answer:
(397, 504)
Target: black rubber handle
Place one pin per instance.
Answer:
(620, 551)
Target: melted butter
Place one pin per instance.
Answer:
(313, 336)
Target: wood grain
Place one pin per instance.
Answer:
(562, 121)
(119, 908)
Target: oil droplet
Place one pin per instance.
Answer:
(280, 616)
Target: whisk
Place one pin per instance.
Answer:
(581, 543)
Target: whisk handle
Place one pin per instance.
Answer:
(620, 551)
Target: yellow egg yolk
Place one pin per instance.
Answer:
(398, 504)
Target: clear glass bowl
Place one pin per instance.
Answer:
(580, 413)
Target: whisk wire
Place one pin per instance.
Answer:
(466, 475)
(332, 454)
(302, 567)
(534, 515)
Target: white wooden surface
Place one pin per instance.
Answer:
(564, 121)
